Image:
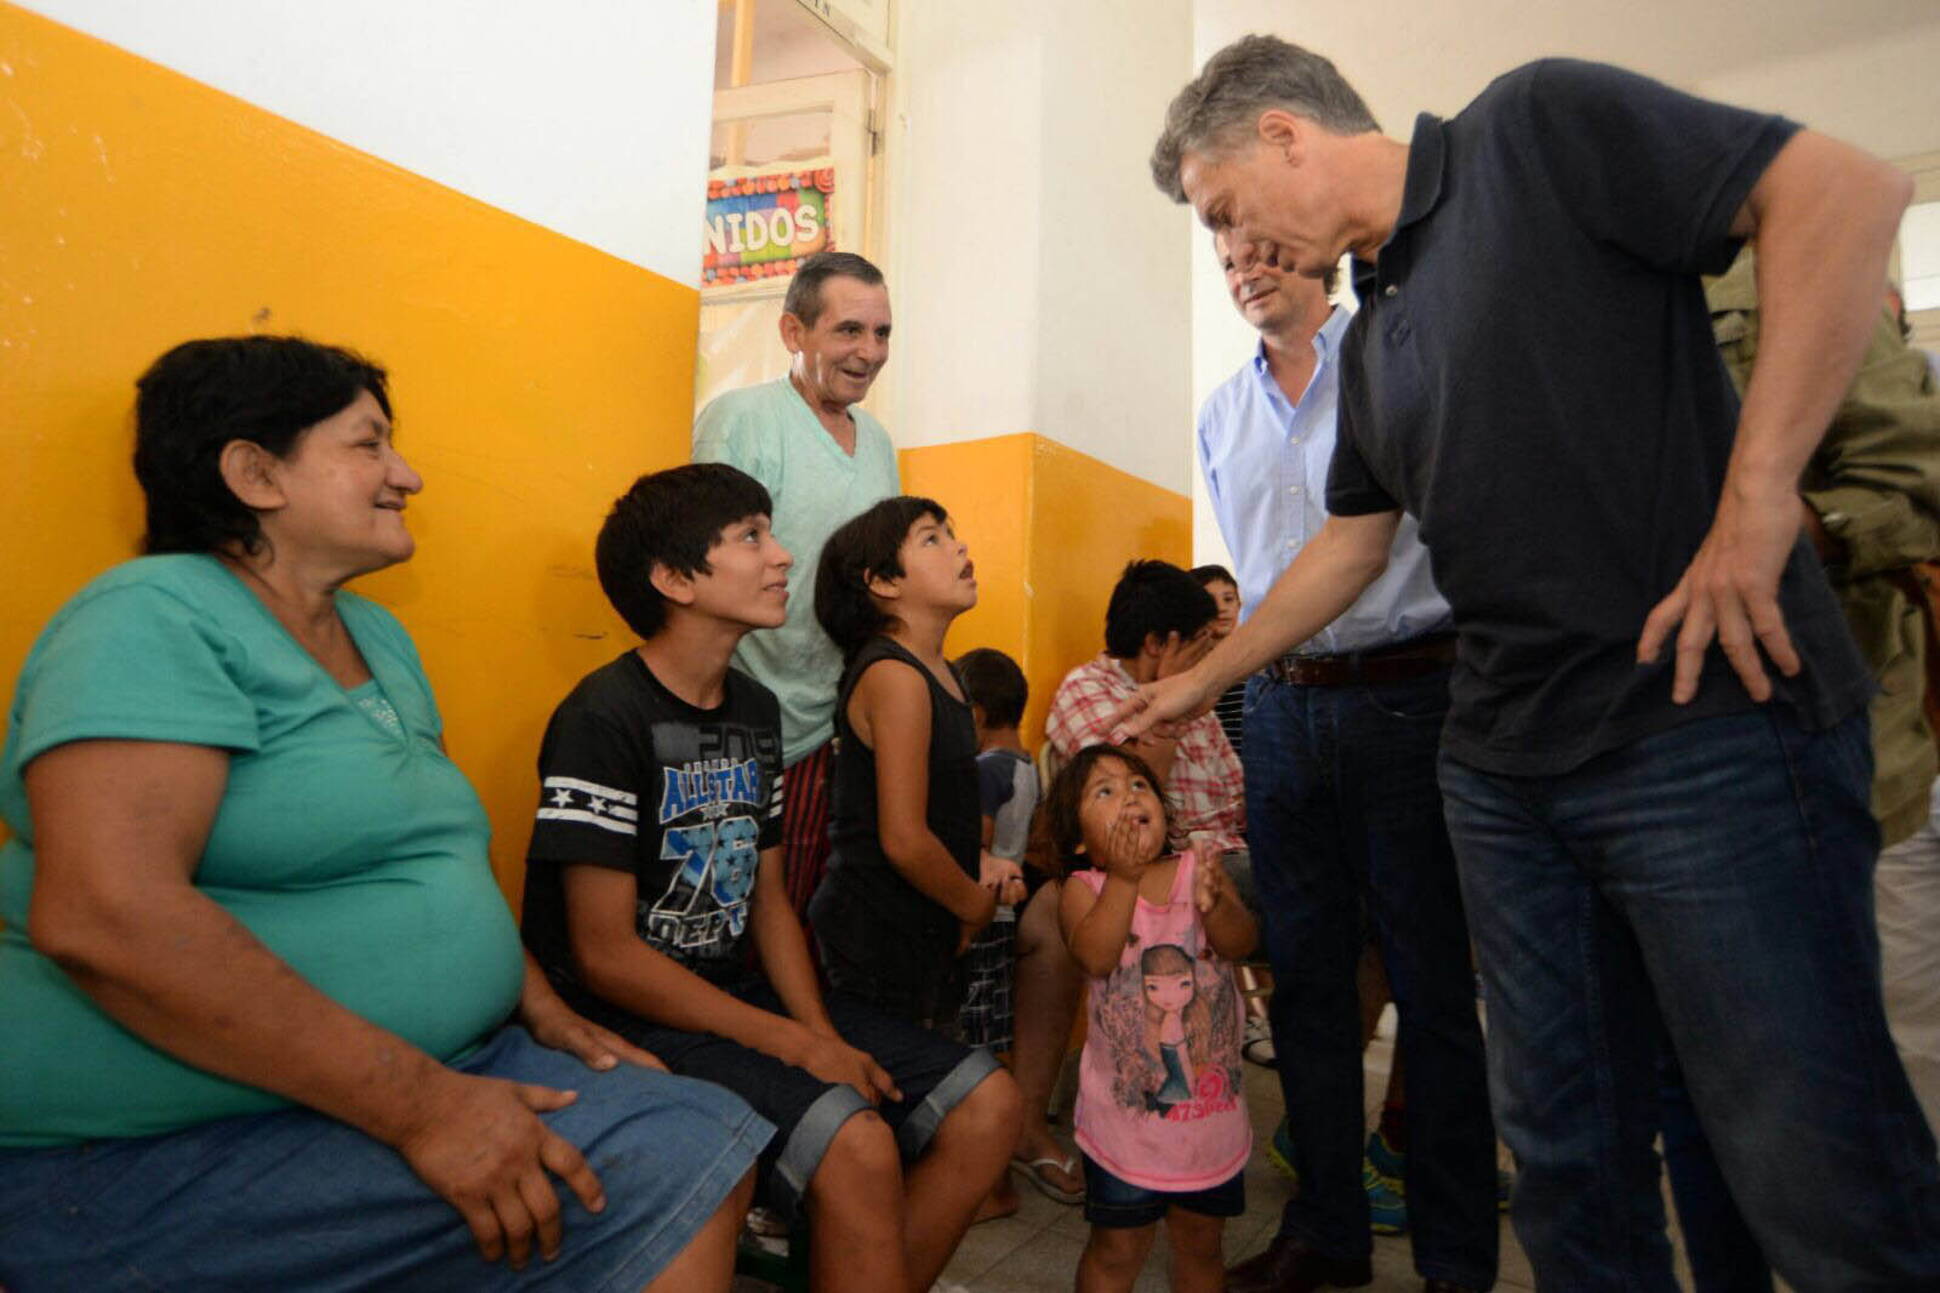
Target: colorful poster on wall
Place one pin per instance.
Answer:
(761, 226)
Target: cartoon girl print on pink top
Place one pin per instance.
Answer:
(1159, 1098)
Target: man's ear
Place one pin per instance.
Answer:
(249, 470)
(792, 331)
(1284, 132)
(671, 584)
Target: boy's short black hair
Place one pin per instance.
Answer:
(994, 684)
(864, 547)
(1154, 597)
(1058, 833)
(669, 518)
(1213, 573)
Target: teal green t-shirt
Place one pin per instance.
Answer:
(348, 843)
(769, 432)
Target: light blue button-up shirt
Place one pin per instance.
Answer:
(1265, 462)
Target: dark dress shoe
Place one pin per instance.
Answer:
(1446, 1286)
(1289, 1266)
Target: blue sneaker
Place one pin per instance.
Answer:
(1279, 1152)
(1387, 1209)
(1388, 1162)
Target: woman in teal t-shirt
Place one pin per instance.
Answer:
(254, 970)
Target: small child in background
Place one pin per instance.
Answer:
(1161, 1118)
(1007, 793)
(902, 898)
(1230, 708)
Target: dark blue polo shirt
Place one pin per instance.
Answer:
(1532, 375)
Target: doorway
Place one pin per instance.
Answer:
(793, 169)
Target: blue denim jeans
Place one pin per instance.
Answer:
(299, 1201)
(1712, 882)
(1724, 1256)
(1344, 817)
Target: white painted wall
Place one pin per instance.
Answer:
(1041, 281)
(1867, 71)
(963, 152)
(1881, 93)
(589, 117)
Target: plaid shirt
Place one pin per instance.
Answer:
(1206, 793)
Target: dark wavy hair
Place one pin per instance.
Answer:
(1154, 597)
(865, 547)
(203, 394)
(1058, 832)
(669, 518)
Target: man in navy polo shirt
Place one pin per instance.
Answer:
(1646, 848)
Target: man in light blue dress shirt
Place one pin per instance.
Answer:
(1343, 817)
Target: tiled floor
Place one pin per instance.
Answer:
(1037, 1250)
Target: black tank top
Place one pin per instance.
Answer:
(864, 906)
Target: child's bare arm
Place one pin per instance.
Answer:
(1230, 928)
(890, 708)
(1095, 924)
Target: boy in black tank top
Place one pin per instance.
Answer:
(901, 898)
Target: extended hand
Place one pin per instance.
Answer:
(1730, 592)
(1159, 707)
(834, 1060)
(481, 1146)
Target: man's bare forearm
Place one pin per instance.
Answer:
(1824, 217)
(1326, 578)
(179, 971)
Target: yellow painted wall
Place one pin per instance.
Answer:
(533, 376)
(1049, 528)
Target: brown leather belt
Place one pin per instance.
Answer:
(1412, 659)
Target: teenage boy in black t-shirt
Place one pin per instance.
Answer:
(655, 867)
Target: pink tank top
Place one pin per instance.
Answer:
(1159, 1099)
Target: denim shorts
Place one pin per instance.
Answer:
(296, 1200)
(1119, 1205)
(933, 1074)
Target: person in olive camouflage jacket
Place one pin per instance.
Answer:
(1871, 500)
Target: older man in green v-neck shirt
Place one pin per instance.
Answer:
(824, 459)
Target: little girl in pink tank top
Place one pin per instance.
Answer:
(1161, 1118)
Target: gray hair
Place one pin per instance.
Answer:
(1241, 81)
(804, 299)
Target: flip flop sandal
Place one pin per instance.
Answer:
(1069, 1166)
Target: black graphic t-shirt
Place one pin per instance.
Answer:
(636, 779)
